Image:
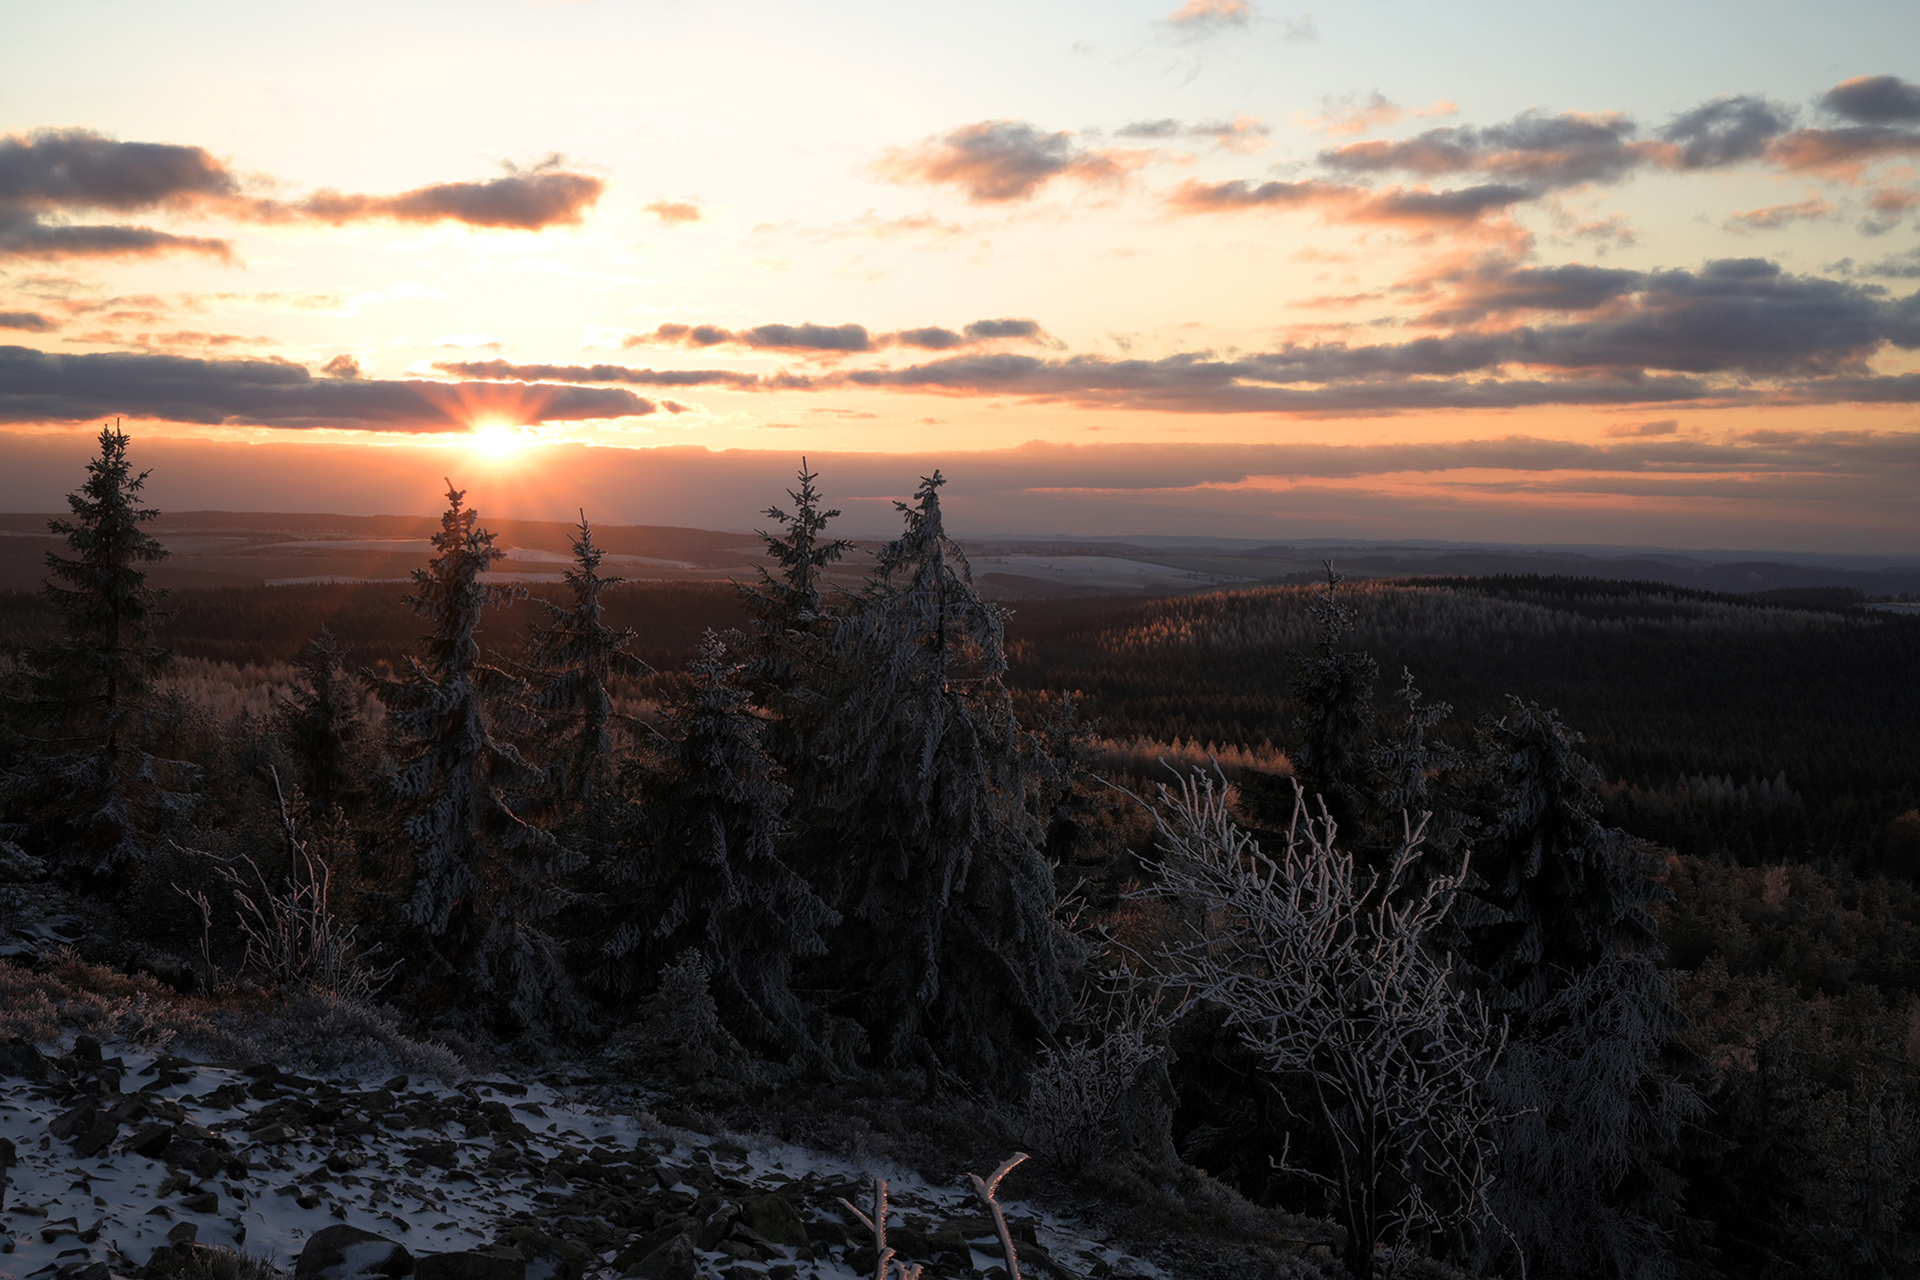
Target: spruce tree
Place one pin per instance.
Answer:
(85, 787)
(1572, 952)
(705, 871)
(575, 658)
(946, 945)
(321, 727)
(481, 876)
(1333, 688)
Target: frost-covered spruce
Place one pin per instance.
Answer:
(481, 875)
(1593, 1102)
(320, 724)
(917, 810)
(707, 874)
(82, 784)
(574, 659)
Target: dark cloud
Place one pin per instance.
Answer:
(36, 386)
(1342, 203)
(24, 235)
(1000, 160)
(341, 366)
(525, 202)
(1899, 266)
(840, 339)
(63, 171)
(1540, 150)
(1242, 133)
(27, 321)
(986, 330)
(1725, 131)
(501, 370)
(1874, 100)
(1502, 289)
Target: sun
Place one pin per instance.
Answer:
(497, 440)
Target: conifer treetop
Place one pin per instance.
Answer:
(800, 551)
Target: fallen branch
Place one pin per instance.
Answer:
(985, 1188)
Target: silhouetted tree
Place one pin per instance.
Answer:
(481, 876)
(947, 942)
(320, 724)
(85, 785)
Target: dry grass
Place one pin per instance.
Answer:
(307, 1032)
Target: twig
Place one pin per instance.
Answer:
(884, 1267)
(985, 1188)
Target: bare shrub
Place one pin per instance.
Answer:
(1327, 974)
(1092, 1095)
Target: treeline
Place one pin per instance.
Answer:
(1689, 700)
(1422, 983)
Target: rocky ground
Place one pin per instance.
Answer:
(126, 1161)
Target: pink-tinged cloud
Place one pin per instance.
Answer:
(1842, 154)
(674, 212)
(27, 322)
(996, 161)
(1211, 13)
(1349, 118)
(1775, 216)
(1642, 430)
(524, 202)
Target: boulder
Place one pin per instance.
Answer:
(774, 1219)
(23, 1061)
(344, 1252)
(673, 1260)
(474, 1264)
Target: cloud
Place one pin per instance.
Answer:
(1350, 117)
(1774, 216)
(36, 386)
(996, 161)
(1725, 131)
(1841, 154)
(54, 173)
(342, 366)
(1899, 266)
(1243, 133)
(1490, 289)
(1540, 150)
(674, 212)
(1874, 100)
(502, 371)
(1642, 430)
(1207, 15)
(841, 339)
(520, 201)
(1341, 203)
(27, 321)
(1888, 207)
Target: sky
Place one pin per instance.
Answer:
(1636, 274)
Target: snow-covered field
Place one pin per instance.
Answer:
(120, 1151)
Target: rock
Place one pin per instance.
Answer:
(346, 1161)
(476, 1264)
(150, 1140)
(183, 1233)
(205, 1202)
(23, 1061)
(86, 1049)
(343, 1252)
(95, 1137)
(774, 1219)
(673, 1260)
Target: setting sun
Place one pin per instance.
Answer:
(497, 440)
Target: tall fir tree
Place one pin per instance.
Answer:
(1333, 690)
(947, 943)
(84, 785)
(481, 877)
(575, 658)
(704, 870)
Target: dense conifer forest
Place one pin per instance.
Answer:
(1513, 926)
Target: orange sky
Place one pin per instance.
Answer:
(1479, 273)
